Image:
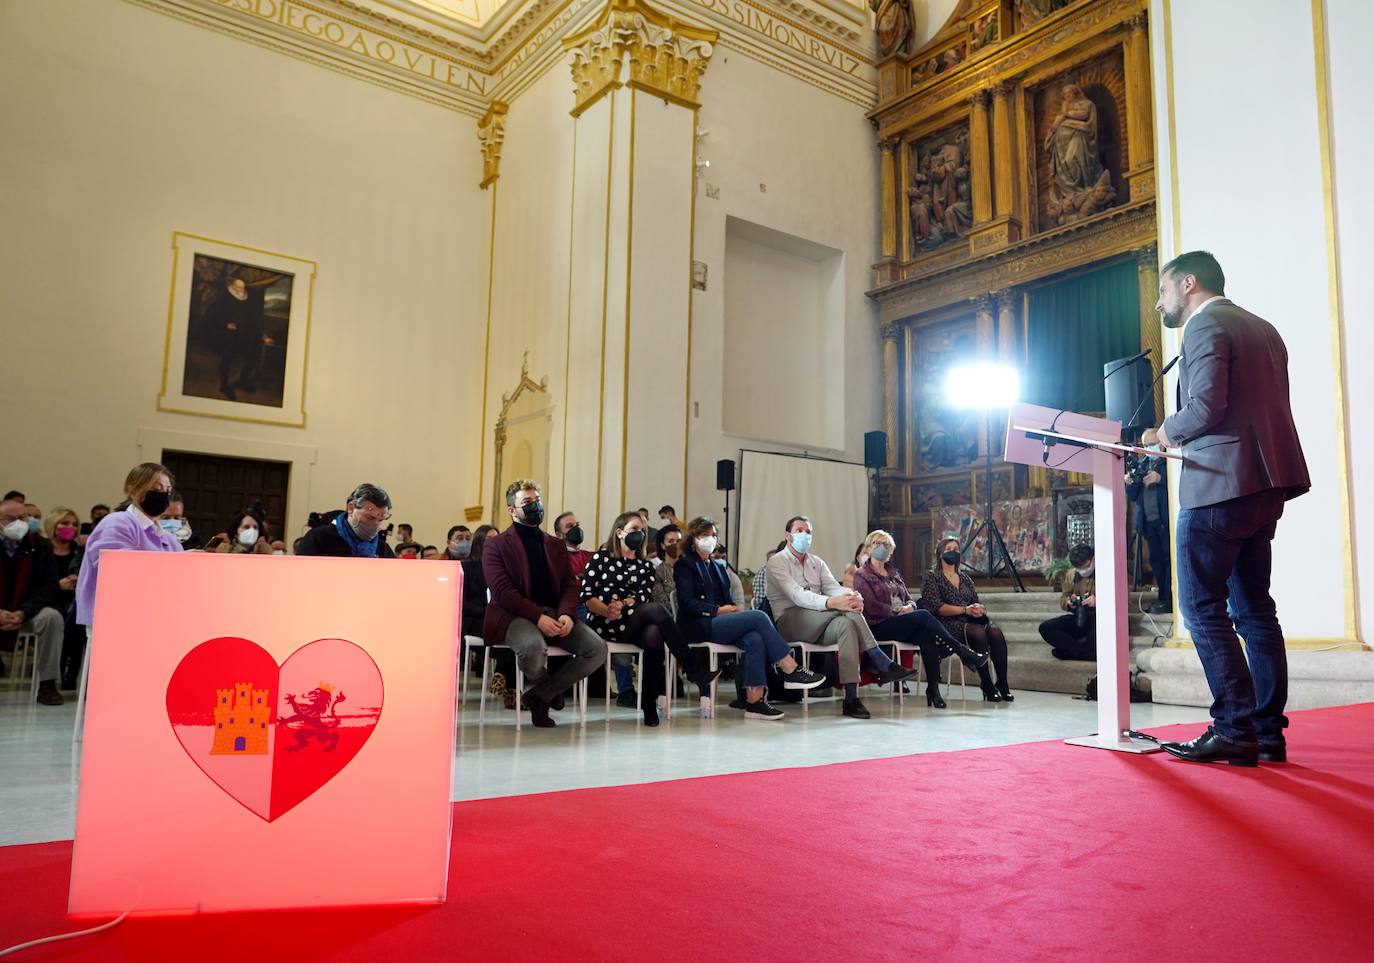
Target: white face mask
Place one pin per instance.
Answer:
(248, 537)
(279, 552)
(17, 529)
(707, 544)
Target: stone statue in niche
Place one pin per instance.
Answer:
(892, 23)
(1033, 11)
(1079, 184)
(940, 192)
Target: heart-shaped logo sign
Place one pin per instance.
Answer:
(271, 736)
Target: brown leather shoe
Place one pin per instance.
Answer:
(48, 694)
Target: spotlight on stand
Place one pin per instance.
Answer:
(986, 388)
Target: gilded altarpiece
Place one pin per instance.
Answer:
(1016, 147)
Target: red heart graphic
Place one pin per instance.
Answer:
(268, 736)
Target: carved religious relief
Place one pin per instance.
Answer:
(946, 435)
(1030, 12)
(1081, 142)
(983, 31)
(892, 24)
(939, 62)
(939, 195)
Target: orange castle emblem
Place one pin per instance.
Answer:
(241, 717)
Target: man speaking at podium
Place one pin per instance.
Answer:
(1242, 461)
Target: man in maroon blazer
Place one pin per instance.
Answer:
(534, 603)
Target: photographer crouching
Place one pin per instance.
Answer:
(1074, 636)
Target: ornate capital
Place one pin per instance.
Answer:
(984, 304)
(1137, 23)
(1147, 257)
(491, 131)
(890, 330)
(979, 99)
(1000, 90)
(888, 144)
(666, 57)
(1007, 299)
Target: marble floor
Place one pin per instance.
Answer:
(39, 773)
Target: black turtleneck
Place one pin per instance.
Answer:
(541, 581)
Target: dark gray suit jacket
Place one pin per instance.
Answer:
(1233, 420)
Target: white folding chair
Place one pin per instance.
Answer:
(625, 648)
(714, 651)
(579, 691)
(470, 644)
(900, 647)
(804, 649)
(25, 661)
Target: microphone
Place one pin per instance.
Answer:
(1150, 392)
(1127, 361)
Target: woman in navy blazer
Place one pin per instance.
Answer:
(705, 612)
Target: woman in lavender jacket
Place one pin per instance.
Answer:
(894, 617)
(147, 489)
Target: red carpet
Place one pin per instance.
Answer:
(1032, 852)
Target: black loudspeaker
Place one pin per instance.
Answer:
(725, 475)
(1128, 387)
(875, 449)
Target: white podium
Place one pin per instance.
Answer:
(1066, 441)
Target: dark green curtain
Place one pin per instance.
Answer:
(1076, 326)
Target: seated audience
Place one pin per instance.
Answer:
(894, 617)
(847, 579)
(430, 551)
(148, 493)
(533, 599)
(251, 535)
(810, 606)
(62, 530)
(760, 586)
(569, 529)
(405, 534)
(459, 544)
(618, 588)
(278, 546)
(670, 549)
(1074, 636)
(29, 595)
(35, 515)
(950, 594)
(668, 516)
(98, 511)
(707, 612)
(722, 555)
(173, 522)
(408, 550)
(356, 531)
(474, 611)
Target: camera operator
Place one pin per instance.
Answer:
(1147, 486)
(1074, 636)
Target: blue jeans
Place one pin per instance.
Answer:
(1225, 554)
(753, 632)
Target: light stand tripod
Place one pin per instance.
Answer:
(995, 542)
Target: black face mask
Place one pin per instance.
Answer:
(533, 514)
(574, 536)
(155, 503)
(950, 558)
(634, 541)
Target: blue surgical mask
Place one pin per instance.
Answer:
(880, 553)
(801, 541)
(169, 525)
(34, 524)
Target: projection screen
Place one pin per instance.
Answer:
(773, 487)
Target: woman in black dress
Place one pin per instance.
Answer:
(617, 588)
(951, 596)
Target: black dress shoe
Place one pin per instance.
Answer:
(1006, 694)
(1273, 752)
(539, 710)
(1210, 747)
(896, 673)
(556, 703)
(855, 709)
(933, 698)
(628, 699)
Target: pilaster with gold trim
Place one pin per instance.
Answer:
(1008, 326)
(985, 334)
(980, 159)
(1151, 335)
(1004, 227)
(887, 269)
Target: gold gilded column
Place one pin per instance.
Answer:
(1004, 151)
(986, 337)
(888, 146)
(1151, 335)
(892, 334)
(1007, 326)
(980, 163)
(1140, 134)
